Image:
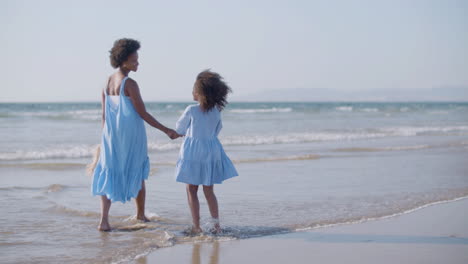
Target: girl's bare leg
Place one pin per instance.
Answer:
(105, 207)
(140, 203)
(194, 204)
(212, 205)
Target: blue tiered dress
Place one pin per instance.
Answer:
(202, 159)
(123, 163)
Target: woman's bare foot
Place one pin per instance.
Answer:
(143, 218)
(104, 227)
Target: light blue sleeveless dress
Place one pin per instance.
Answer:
(202, 159)
(123, 162)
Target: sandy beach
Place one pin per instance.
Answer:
(327, 164)
(433, 234)
(346, 122)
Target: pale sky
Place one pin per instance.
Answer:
(58, 50)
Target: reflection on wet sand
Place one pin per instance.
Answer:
(196, 253)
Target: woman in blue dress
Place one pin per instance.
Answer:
(202, 160)
(123, 164)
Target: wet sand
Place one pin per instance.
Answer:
(434, 234)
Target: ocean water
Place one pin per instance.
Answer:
(302, 166)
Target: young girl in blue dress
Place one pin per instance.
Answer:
(202, 160)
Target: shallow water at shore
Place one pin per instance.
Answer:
(326, 164)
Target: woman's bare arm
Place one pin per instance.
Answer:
(134, 93)
(103, 103)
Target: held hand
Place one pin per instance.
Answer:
(176, 135)
(172, 134)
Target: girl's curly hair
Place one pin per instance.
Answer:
(121, 50)
(211, 90)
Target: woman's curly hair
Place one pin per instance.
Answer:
(121, 50)
(211, 90)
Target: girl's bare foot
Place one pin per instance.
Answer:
(217, 229)
(196, 230)
(192, 231)
(104, 227)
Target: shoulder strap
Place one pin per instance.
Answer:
(122, 86)
(106, 92)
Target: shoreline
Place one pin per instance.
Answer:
(379, 218)
(433, 233)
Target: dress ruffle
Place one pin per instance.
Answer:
(120, 186)
(203, 161)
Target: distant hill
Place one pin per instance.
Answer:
(379, 95)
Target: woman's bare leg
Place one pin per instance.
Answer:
(140, 203)
(212, 205)
(105, 207)
(194, 204)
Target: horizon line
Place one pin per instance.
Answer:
(253, 101)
